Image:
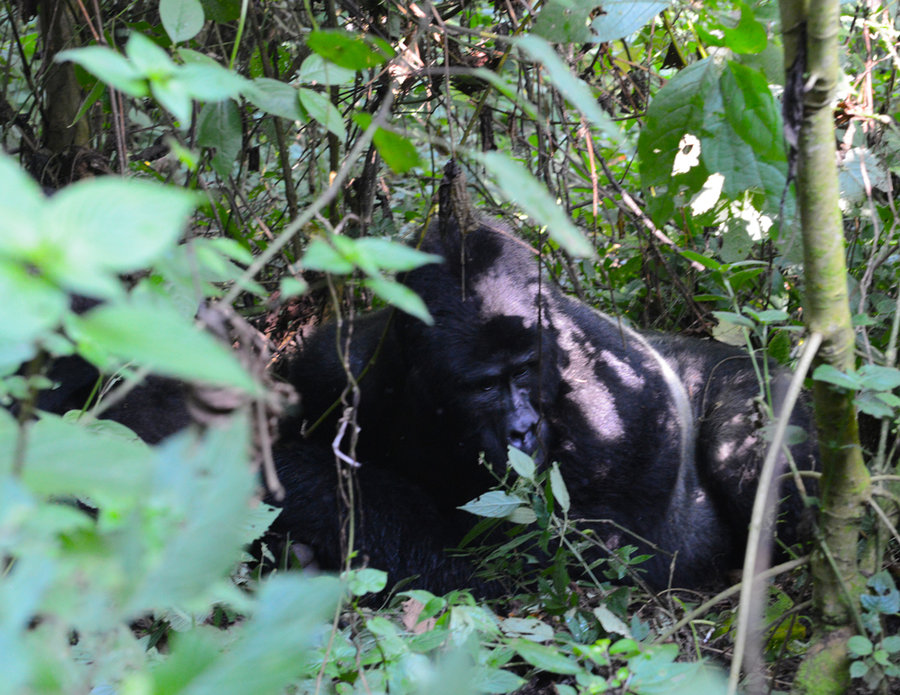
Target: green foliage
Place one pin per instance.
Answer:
(561, 98)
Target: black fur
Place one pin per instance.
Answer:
(655, 433)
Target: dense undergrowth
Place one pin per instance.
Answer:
(266, 148)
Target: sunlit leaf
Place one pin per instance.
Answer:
(182, 19)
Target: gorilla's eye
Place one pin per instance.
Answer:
(488, 386)
(521, 372)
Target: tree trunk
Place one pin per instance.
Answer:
(811, 30)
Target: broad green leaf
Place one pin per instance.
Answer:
(677, 110)
(521, 463)
(486, 679)
(351, 51)
(211, 82)
(611, 622)
(109, 66)
(830, 375)
(320, 109)
(65, 459)
(109, 225)
(859, 645)
(495, 504)
(289, 609)
(747, 36)
(219, 126)
(292, 287)
(767, 316)
(366, 581)
(732, 317)
(399, 296)
(182, 19)
(392, 255)
(159, 338)
(274, 97)
(723, 114)
(322, 256)
(396, 150)
(558, 486)
(316, 70)
(546, 658)
(705, 261)
(622, 18)
(531, 629)
(20, 204)
(221, 10)
(207, 484)
(37, 309)
(518, 186)
(173, 96)
(151, 60)
(874, 377)
(575, 91)
(565, 21)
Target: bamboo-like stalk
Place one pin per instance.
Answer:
(811, 30)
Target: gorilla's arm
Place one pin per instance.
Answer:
(399, 527)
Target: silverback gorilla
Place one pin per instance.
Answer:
(660, 435)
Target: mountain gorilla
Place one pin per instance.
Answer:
(658, 435)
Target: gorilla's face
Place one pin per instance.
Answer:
(491, 383)
(502, 398)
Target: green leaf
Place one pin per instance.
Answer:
(517, 185)
(222, 10)
(392, 255)
(219, 126)
(173, 96)
(399, 296)
(292, 287)
(207, 484)
(486, 679)
(108, 66)
(151, 60)
(366, 581)
(37, 309)
(558, 486)
(705, 261)
(182, 19)
(565, 21)
(621, 18)
(860, 646)
(495, 504)
(891, 644)
(571, 87)
(830, 375)
(315, 70)
(322, 256)
(156, 336)
(210, 82)
(733, 318)
(396, 150)
(747, 36)
(65, 459)
(546, 658)
(610, 622)
(323, 111)
(858, 669)
(873, 376)
(521, 463)
(350, 51)
(109, 225)
(531, 629)
(274, 97)
(282, 628)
